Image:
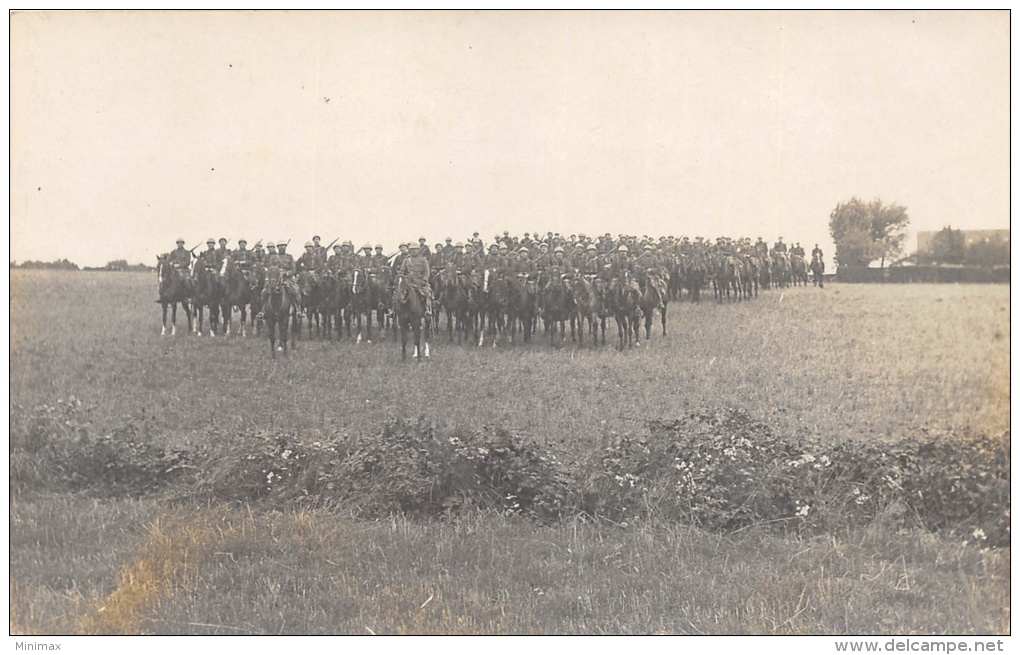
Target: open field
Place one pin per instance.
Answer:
(850, 362)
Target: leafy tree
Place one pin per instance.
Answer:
(888, 229)
(948, 246)
(850, 225)
(864, 232)
(117, 265)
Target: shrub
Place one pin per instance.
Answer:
(52, 449)
(720, 470)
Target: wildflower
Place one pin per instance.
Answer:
(803, 511)
(979, 534)
(286, 454)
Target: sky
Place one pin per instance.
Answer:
(131, 129)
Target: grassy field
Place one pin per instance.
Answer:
(850, 362)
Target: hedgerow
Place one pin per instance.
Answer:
(720, 470)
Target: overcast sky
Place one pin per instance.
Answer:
(131, 129)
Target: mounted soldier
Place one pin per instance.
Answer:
(779, 246)
(423, 248)
(209, 257)
(285, 262)
(335, 261)
(318, 250)
(816, 252)
(417, 272)
(181, 257)
(221, 253)
(309, 260)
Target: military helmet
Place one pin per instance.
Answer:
(523, 250)
(242, 241)
(180, 240)
(211, 240)
(648, 246)
(591, 246)
(309, 244)
(449, 240)
(222, 240)
(378, 247)
(496, 246)
(558, 249)
(282, 244)
(622, 248)
(336, 246)
(270, 245)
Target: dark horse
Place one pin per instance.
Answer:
(626, 307)
(728, 274)
(522, 305)
(556, 309)
(207, 294)
(276, 310)
(798, 270)
(410, 311)
(654, 297)
(587, 307)
(237, 292)
(818, 271)
(174, 287)
(452, 291)
(493, 304)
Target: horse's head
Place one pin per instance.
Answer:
(358, 282)
(274, 279)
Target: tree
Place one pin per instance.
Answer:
(987, 252)
(948, 246)
(888, 228)
(850, 225)
(864, 232)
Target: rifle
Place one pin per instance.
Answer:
(331, 243)
(256, 244)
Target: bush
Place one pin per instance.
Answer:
(52, 449)
(720, 470)
(405, 468)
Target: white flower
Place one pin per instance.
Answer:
(803, 511)
(979, 534)
(286, 454)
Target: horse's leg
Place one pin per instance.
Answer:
(663, 311)
(403, 341)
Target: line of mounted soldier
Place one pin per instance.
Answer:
(495, 290)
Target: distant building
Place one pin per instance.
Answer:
(970, 237)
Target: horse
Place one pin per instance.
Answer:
(174, 287)
(522, 305)
(599, 308)
(359, 300)
(276, 311)
(452, 295)
(654, 297)
(694, 276)
(493, 304)
(556, 309)
(583, 300)
(780, 270)
(798, 270)
(308, 285)
(330, 302)
(727, 278)
(749, 279)
(237, 292)
(626, 307)
(380, 291)
(817, 272)
(207, 294)
(765, 272)
(410, 315)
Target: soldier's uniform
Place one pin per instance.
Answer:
(319, 251)
(398, 261)
(417, 271)
(779, 246)
(180, 258)
(221, 253)
(816, 253)
(335, 261)
(308, 261)
(210, 258)
(285, 262)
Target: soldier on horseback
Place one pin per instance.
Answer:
(221, 253)
(208, 258)
(417, 272)
(180, 258)
(308, 261)
(285, 262)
